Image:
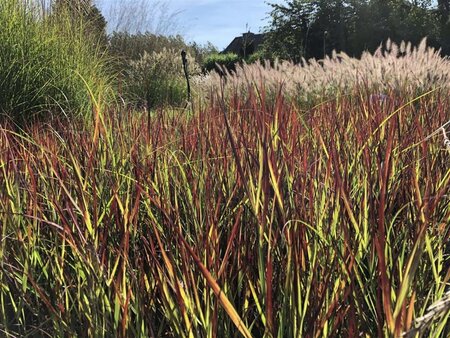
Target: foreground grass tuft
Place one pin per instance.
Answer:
(249, 217)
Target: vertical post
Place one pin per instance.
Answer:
(186, 74)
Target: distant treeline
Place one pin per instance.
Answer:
(305, 28)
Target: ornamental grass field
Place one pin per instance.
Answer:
(257, 213)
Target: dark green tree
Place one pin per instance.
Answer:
(417, 20)
(313, 28)
(332, 28)
(303, 28)
(287, 35)
(444, 9)
(443, 12)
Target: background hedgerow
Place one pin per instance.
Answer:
(217, 61)
(251, 216)
(222, 63)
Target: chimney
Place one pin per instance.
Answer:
(247, 35)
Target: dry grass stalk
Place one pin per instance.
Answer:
(434, 313)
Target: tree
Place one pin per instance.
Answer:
(303, 28)
(443, 11)
(332, 27)
(417, 20)
(313, 28)
(287, 35)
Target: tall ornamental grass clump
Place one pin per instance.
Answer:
(48, 63)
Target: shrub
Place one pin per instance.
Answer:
(201, 52)
(157, 78)
(257, 56)
(217, 61)
(47, 63)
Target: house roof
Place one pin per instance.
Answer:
(249, 40)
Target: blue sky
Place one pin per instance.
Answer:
(217, 21)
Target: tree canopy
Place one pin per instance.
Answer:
(313, 28)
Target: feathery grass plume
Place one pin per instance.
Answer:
(404, 69)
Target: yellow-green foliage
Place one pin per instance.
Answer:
(47, 63)
(158, 78)
(216, 61)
